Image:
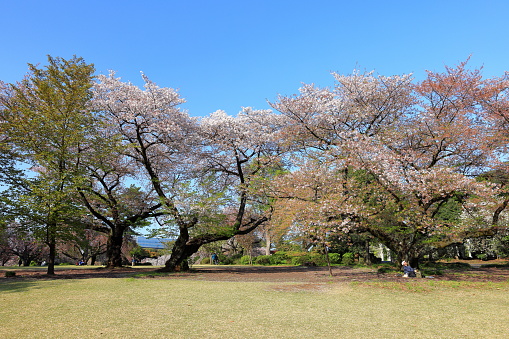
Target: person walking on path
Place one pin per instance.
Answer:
(215, 259)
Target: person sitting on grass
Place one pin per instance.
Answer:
(407, 270)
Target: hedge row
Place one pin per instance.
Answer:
(287, 258)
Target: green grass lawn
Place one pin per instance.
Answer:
(179, 308)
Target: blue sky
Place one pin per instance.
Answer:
(225, 54)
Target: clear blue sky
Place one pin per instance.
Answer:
(225, 54)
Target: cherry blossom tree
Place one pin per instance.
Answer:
(200, 170)
(417, 147)
(237, 154)
(115, 205)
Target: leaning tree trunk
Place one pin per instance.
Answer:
(179, 254)
(185, 246)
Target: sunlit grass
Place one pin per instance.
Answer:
(178, 308)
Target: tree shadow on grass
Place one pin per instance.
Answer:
(72, 273)
(10, 285)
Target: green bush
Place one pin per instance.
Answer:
(482, 256)
(335, 258)
(318, 259)
(205, 261)
(313, 259)
(10, 274)
(33, 263)
(348, 259)
(262, 260)
(280, 258)
(301, 260)
(224, 260)
(245, 260)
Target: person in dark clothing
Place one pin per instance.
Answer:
(215, 259)
(407, 270)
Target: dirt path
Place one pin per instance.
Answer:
(263, 273)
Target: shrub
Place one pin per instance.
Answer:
(262, 260)
(313, 259)
(245, 260)
(335, 258)
(348, 259)
(318, 259)
(230, 260)
(33, 263)
(10, 274)
(301, 260)
(280, 258)
(224, 260)
(205, 261)
(482, 256)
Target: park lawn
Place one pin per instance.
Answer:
(179, 308)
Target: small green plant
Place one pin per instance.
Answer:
(33, 263)
(10, 274)
(482, 256)
(348, 259)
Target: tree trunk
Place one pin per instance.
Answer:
(52, 254)
(184, 246)
(114, 249)
(267, 241)
(328, 260)
(179, 254)
(367, 260)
